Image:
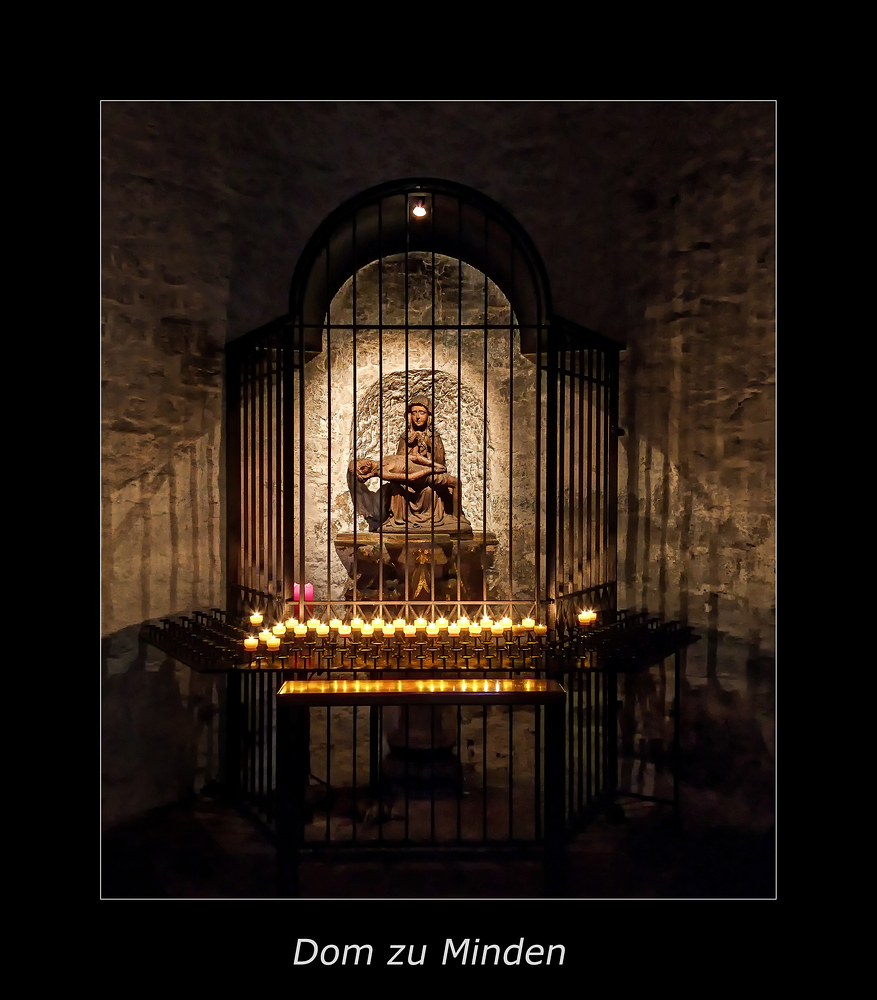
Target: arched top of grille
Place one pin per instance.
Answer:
(459, 222)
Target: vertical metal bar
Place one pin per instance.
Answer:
(569, 684)
(268, 482)
(484, 430)
(563, 588)
(511, 430)
(598, 473)
(458, 543)
(260, 716)
(581, 679)
(484, 772)
(589, 736)
(612, 475)
(407, 552)
(354, 757)
(537, 790)
(329, 437)
(573, 478)
(269, 776)
(260, 484)
(589, 550)
(289, 494)
(598, 734)
(554, 812)
(460, 791)
(233, 539)
(537, 554)
(329, 772)
(381, 384)
(355, 431)
(279, 492)
(580, 463)
(252, 730)
(551, 477)
(231, 772)
(511, 770)
(434, 428)
(253, 514)
(301, 569)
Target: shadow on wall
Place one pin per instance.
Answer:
(159, 729)
(726, 742)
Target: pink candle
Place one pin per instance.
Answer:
(308, 596)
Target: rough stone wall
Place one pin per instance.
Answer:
(655, 223)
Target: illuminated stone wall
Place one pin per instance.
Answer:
(496, 464)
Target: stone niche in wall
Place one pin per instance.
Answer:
(485, 407)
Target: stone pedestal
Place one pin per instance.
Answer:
(431, 564)
(421, 742)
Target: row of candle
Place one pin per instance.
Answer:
(357, 624)
(401, 624)
(379, 629)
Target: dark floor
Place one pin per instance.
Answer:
(204, 849)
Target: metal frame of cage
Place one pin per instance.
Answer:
(569, 388)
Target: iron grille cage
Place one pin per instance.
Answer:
(451, 306)
(448, 308)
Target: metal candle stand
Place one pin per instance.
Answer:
(585, 661)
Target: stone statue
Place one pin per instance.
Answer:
(420, 495)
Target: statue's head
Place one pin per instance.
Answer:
(419, 412)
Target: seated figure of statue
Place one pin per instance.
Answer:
(422, 495)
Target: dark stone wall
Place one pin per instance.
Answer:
(655, 223)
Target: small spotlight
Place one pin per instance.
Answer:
(419, 209)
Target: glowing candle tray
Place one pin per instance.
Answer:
(210, 642)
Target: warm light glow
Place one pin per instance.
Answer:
(367, 629)
(506, 622)
(442, 623)
(389, 629)
(400, 623)
(432, 629)
(322, 629)
(418, 209)
(587, 617)
(264, 635)
(344, 630)
(528, 623)
(313, 623)
(377, 623)
(486, 621)
(463, 622)
(541, 629)
(256, 618)
(279, 629)
(420, 623)
(453, 629)
(497, 628)
(300, 630)
(415, 686)
(474, 630)
(251, 643)
(291, 623)
(356, 624)
(409, 630)
(335, 623)
(273, 642)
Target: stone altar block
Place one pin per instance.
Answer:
(431, 563)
